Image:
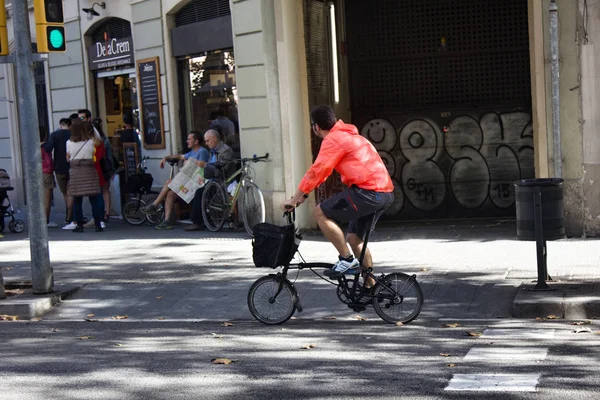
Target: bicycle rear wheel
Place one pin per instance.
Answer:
(253, 206)
(398, 298)
(265, 307)
(132, 211)
(215, 206)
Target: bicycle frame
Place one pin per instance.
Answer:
(243, 171)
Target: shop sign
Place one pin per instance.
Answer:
(111, 53)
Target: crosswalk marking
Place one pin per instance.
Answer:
(494, 382)
(519, 333)
(500, 354)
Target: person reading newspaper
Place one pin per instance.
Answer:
(197, 153)
(221, 160)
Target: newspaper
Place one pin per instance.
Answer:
(189, 179)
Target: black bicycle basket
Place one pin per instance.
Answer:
(137, 182)
(273, 245)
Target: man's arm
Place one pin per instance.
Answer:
(49, 145)
(171, 157)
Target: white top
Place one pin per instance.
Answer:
(86, 152)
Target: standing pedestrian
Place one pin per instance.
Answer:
(57, 145)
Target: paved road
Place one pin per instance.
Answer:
(351, 359)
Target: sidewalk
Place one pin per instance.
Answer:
(467, 269)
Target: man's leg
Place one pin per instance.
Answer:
(332, 232)
(169, 205)
(356, 243)
(48, 201)
(196, 215)
(163, 193)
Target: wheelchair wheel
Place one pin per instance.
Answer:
(398, 298)
(215, 206)
(16, 226)
(265, 307)
(132, 211)
(253, 207)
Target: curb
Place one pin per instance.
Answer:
(566, 301)
(28, 305)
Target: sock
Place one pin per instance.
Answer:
(348, 257)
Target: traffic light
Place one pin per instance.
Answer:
(3, 30)
(49, 26)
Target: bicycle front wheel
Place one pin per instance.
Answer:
(268, 306)
(215, 206)
(253, 207)
(398, 298)
(132, 211)
(156, 217)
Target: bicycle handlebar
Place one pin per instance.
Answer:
(255, 158)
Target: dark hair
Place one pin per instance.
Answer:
(97, 123)
(73, 116)
(127, 118)
(199, 136)
(88, 113)
(43, 134)
(77, 131)
(215, 114)
(65, 121)
(324, 116)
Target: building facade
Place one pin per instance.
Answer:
(455, 95)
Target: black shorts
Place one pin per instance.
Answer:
(357, 206)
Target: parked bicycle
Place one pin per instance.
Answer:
(140, 186)
(218, 206)
(273, 299)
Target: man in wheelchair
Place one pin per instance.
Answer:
(198, 153)
(220, 165)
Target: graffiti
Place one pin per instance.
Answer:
(466, 164)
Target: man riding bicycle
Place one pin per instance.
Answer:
(368, 193)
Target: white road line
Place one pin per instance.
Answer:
(502, 354)
(519, 333)
(494, 382)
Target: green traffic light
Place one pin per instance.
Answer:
(57, 38)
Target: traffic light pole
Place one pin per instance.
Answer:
(41, 270)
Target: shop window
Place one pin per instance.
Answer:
(208, 87)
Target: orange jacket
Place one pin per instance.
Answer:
(353, 157)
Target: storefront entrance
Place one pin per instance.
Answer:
(442, 89)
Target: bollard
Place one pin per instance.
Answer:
(2, 292)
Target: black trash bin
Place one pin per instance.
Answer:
(540, 217)
(550, 193)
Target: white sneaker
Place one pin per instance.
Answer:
(343, 266)
(51, 224)
(69, 227)
(103, 225)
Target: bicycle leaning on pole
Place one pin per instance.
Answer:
(273, 299)
(218, 206)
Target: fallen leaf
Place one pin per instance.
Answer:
(6, 268)
(332, 317)
(91, 315)
(159, 297)
(9, 318)
(161, 318)
(226, 324)
(582, 330)
(552, 317)
(473, 333)
(454, 325)
(308, 346)
(85, 337)
(225, 361)
(358, 318)
(399, 323)
(120, 317)
(451, 365)
(581, 323)
(293, 318)
(597, 333)
(118, 345)
(36, 319)
(55, 330)
(423, 269)
(540, 319)
(445, 354)
(216, 336)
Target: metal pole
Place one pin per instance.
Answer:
(555, 89)
(41, 270)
